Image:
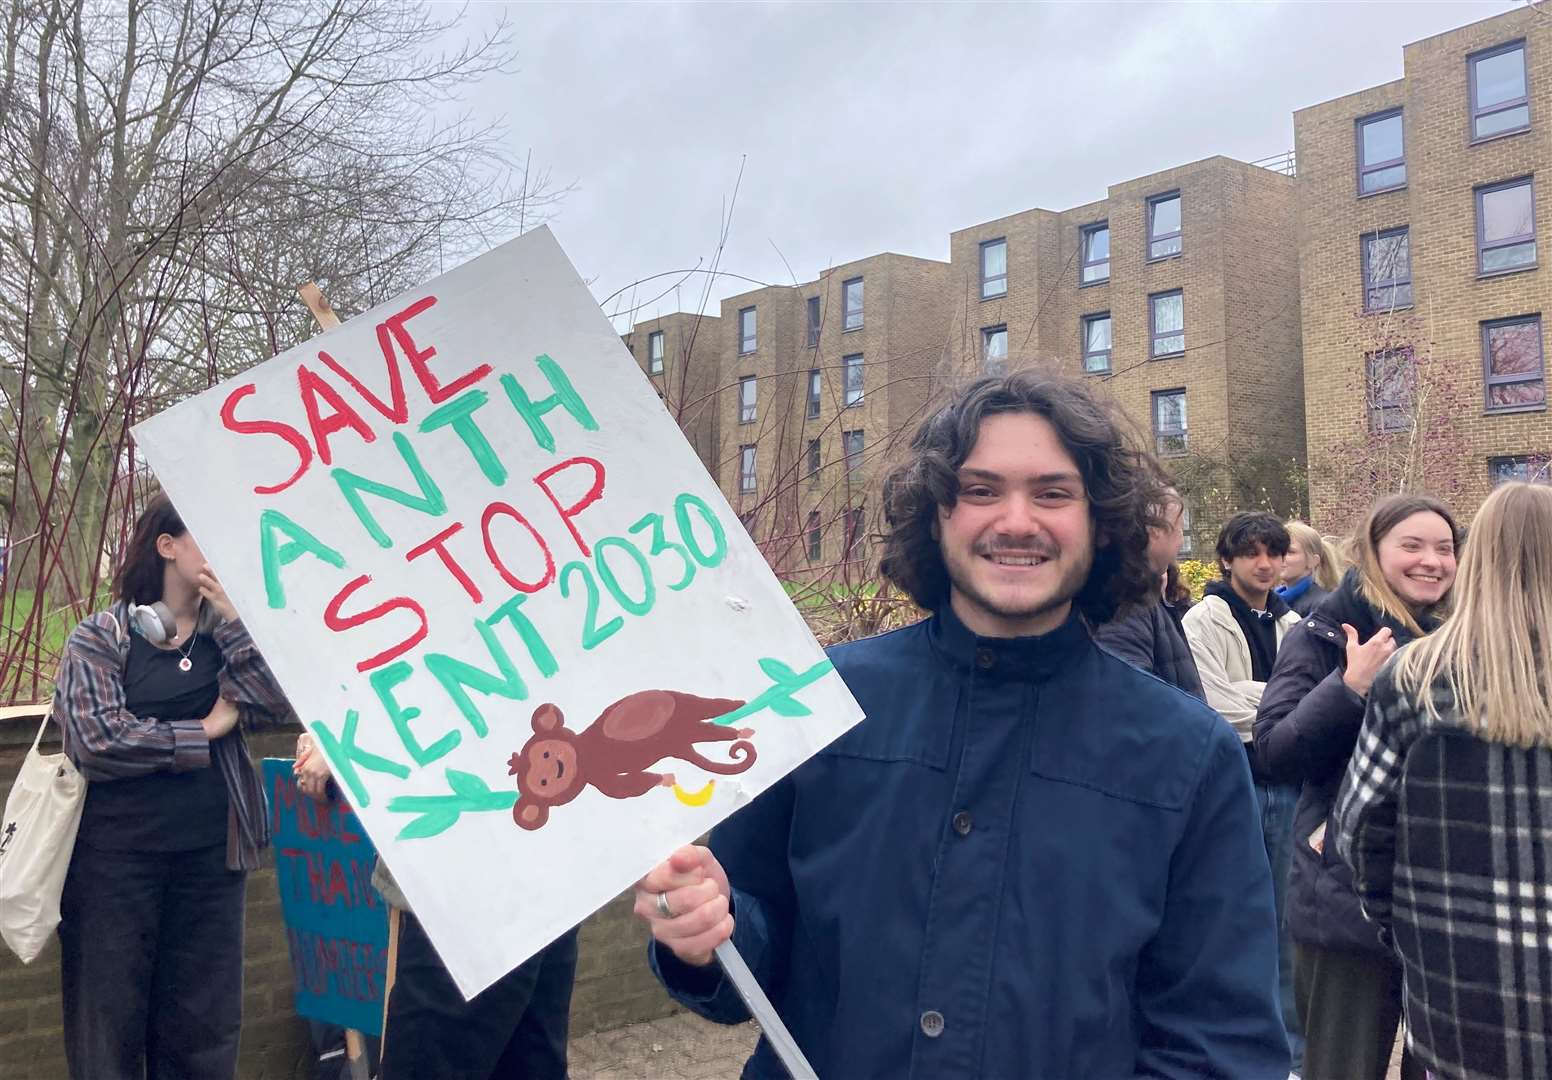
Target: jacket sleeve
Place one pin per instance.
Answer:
(247, 681)
(104, 739)
(752, 847)
(1207, 983)
(1365, 814)
(1130, 639)
(1309, 718)
(1234, 699)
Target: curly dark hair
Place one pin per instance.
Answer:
(1242, 532)
(1125, 488)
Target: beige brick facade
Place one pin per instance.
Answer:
(1450, 298)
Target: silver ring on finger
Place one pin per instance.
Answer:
(662, 906)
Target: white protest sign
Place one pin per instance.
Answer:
(461, 527)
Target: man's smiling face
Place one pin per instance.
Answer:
(1018, 542)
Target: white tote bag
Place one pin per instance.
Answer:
(37, 838)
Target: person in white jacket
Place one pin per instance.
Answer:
(1234, 634)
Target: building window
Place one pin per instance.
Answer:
(813, 393)
(1506, 227)
(1169, 422)
(746, 468)
(1528, 468)
(815, 461)
(813, 321)
(1186, 543)
(1164, 226)
(994, 269)
(815, 537)
(1513, 370)
(851, 305)
(1381, 153)
(1095, 244)
(994, 350)
(1499, 104)
(1387, 270)
(851, 446)
(748, 392)
(655, 353)
(1096, 344)
(851, 370)
(1167, 323)
(853, 531)
(1389, 376)
(746, 338)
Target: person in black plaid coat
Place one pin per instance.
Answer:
(1445, 815)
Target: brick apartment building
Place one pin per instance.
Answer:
(1179, 293)
(681, 354)
(1423, 297)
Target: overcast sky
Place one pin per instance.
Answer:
(865, 128)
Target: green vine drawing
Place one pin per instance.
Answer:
(467, 793)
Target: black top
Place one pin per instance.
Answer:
(1259, 627)
(162, 811)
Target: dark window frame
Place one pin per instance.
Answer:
(748, 411)
(748, 478)
(815, 388)
(747, 343)
(986, 335)
(853, 459)
(1184, 431)
(1370, 286)
(655, 352)
(847, 367)
(1389, 417)
(815, 540)
(1476, 112)
(855, 521)
(1178, 235)
(1084, 262)
(1153, 325)
(815, 461)
(1540, 464)
(815, 321)
(846, 311)
(1365, 168)
(1477, 194)
(1002, 277)
(1489, 380)
(1083, 328)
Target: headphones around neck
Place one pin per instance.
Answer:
(155, 621)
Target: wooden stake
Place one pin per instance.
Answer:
(319, 305)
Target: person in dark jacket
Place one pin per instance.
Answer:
(1151, 636)
(1311, 569)
(1467, 711)
(1030, 859)
(1347, 984)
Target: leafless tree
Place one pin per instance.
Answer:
(170, 170)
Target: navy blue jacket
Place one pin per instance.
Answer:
(1031, 860)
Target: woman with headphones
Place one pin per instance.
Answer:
(153, 697)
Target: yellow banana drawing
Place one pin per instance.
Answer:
(695, 798)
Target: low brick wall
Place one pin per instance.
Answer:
(613, 988)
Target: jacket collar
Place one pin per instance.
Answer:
(1035, 658)
(1290, 593)
(1346, 605)
(1275, 609)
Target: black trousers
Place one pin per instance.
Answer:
(151, 964)
(515, 1029)
(1350, 1005)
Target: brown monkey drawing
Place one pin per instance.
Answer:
(615, 753)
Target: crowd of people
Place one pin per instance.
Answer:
(1088, 828)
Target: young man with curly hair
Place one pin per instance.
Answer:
(1031, 859)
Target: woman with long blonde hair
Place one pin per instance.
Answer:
(1347, 983)
(1311, 571)
(1446, 814)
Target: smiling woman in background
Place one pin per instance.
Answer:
(1347, 983)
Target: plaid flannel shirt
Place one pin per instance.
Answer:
(1450, 841)
(106, 741)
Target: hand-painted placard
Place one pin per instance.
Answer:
(336, 923)
(525, 628)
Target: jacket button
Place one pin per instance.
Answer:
(962, 823)
(932, 1023)
(985, 659)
